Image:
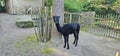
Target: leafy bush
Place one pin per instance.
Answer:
(74, 5)
(99, 6)
(48, 3)
(102, 6)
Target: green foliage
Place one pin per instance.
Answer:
(99, 6)
(116, 6)
(74, 5)
(2, 4)
(1, 0)
(48, 3)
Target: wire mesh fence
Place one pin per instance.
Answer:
(106, 25)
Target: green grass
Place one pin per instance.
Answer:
(46, 50)
(27, 40)
(30, 43)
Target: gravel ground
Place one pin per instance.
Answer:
(10, 33)
(9, 30)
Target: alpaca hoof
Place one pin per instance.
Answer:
(68, 48)
(73, 42)
(64, 46)
(75, 45)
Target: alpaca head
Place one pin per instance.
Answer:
(56, 19)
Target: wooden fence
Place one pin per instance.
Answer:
(107, 25)
(71, 17)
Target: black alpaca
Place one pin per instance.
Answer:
(71, 28)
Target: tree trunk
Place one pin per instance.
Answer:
(58, 10)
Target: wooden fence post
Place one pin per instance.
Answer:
(70, 18)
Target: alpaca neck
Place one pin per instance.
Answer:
(59, 29)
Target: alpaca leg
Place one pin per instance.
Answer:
(74, 41)
(77, 35)
(77, 39)
(64, 42)
(74, 38)
(67, 40)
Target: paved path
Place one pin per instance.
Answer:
(89, 45)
